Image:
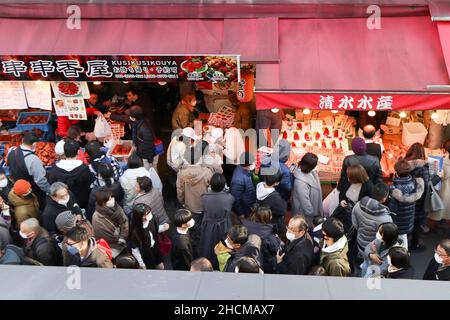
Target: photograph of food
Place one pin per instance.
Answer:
(224, 65)
(69, 89)
(194, 65)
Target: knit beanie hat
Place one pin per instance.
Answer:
(65, 221)
(21, 187)
(359, 146)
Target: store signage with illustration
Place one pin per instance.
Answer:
(352, 102)
(121, 68)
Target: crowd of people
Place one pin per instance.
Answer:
(89, 210)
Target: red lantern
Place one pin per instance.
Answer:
(245, 86)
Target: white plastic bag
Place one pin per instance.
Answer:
(102, 128)
(330, 203)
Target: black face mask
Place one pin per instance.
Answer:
(29, 196)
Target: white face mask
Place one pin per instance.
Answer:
(23, 235)
(378, 236)
(190, 223)
(290, 236)
(63, 201)
(438, 259)
(228, 244)
(111, 203)
(149, 216)
(3, 183)
(132, 119)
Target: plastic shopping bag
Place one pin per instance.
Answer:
(102, 128)
(330, 203)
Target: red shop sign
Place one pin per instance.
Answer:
(352, 102)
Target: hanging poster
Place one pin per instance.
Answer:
(12, 95)
(38, 94)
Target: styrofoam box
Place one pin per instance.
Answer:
(413, 132)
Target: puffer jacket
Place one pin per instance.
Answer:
(251, 249)
(335, 260)
(421, 169)
(243, 191)
(23, 208)
(155, 200)
(192, 182)
(404, 194)
(367, 216)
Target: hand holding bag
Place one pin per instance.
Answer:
(102, 128)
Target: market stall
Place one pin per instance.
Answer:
(321, 123)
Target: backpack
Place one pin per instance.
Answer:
(104, 247)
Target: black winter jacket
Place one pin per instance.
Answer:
(143, 139)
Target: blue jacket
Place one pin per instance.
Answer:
(243, 191)
(404, 194)
(280, 156)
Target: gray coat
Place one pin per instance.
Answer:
(5, 236)
(307, 194)
(367, 216)
(217, 207)
(155, 200)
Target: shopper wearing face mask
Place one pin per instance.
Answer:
(143, 241)
(399, 266)
(183, 116)
(237, 244)
(59, 200)
(5, 185)
(439, 266)
(307, 192)
(298, 255)
(242, 187)
(376, 252)
(109, 221)
(23, 201)
(38, 244)
(81, 249)
(333, 257)
(182, 253)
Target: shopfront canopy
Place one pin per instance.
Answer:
(256, 40)
(344, 54)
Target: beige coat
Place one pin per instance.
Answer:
(23, 208)
(182, 117)
(105, 227)
(192, 182)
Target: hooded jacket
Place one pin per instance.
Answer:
(270, 198)
(95, 258)
(76, 176)
(243, 191)
(280, 156)
(404, 194)
(23, 208)
(41, 249)
(192, 182)
(367, 216)
(13, 256)
(307, 194)
(270, 242)
(334, 259)
(251, 249)
(111, 225)
(53, 209)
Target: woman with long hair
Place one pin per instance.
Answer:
(143, 240)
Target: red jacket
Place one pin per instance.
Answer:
(64, 123)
